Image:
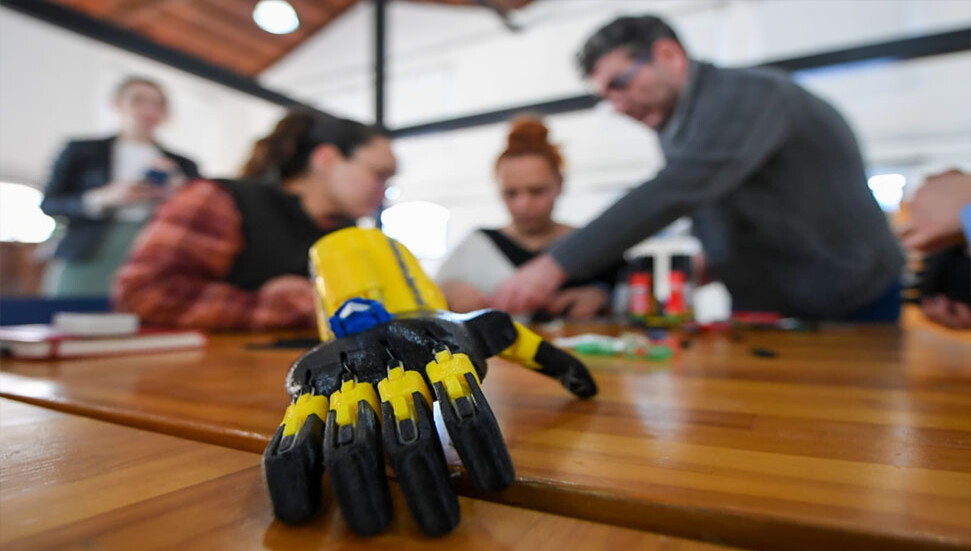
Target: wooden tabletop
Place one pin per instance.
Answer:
(848, 437)
(70, 482)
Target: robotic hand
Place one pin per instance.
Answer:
(389, 350)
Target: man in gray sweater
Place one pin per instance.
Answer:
(771, 176)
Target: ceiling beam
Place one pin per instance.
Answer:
(125, 39)
(901, 49)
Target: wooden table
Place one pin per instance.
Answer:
(70, 482)
(849, 438)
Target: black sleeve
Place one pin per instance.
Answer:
(189, 168)
(610, 275)
(63, 195)
(606, 278)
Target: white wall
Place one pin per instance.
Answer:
(450, 61)
(56, 85)
(446, 60)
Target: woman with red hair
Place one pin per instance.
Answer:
(530, 176)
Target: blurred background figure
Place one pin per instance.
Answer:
(878, 64)
(770, 174)
(529, 173)
(233, 254)
(107, 190)
(940, 227)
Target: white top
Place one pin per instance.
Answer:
(129, 163)
(131, 160)
(477, 261)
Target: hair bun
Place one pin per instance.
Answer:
(528, 133)
(529, 136)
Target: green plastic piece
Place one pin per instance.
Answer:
(594, 349)
(659, 352)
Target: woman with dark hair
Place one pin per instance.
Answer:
(107, 189)
(233, 254)
(529, 172)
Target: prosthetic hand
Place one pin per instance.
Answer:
(390, 350)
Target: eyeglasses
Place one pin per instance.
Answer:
(623, 80)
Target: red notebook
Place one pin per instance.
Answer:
(43, 342)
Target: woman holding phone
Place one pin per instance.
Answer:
(107, 188)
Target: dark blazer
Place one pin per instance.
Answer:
(81, 166)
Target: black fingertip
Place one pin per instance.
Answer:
(567, 369)
(478, 440)
(356, 467)
(420, 468)
(293, 476)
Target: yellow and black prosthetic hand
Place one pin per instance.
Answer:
(390, 351)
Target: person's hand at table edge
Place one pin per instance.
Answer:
(579, 303)
(946, 312)
(936, 211)
(531, 287)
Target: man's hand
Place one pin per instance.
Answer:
(578, 303)
(531, 287)
(935, 212)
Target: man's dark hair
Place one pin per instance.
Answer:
(636, 34)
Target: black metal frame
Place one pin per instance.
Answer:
(893, 50)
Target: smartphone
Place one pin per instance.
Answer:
(156, 177)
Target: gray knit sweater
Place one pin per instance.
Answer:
(774, 182)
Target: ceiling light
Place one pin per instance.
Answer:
(276, 16)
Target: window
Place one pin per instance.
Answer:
(888, 190)
(21, 219)
(419, 225)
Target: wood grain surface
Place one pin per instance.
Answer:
(70, 482)
(848, 437)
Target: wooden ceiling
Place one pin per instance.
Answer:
(222, 32)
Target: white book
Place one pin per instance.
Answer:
(39, 342)
(100, 323)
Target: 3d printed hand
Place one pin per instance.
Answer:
(370, 391)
